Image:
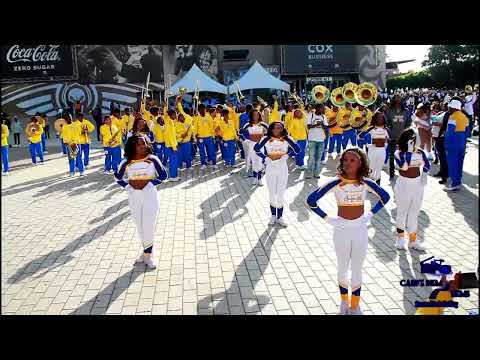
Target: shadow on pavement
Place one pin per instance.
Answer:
(107, 296)
(110, 211)
(466, 203)
(235, 198)
(232, 296)
(60, 257)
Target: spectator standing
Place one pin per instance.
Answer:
(17, 130)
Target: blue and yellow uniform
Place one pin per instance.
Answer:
(71, 136)
(36, 146)
(171, 145)
(455, 146)
(86, 128)
(42, 122)
(113, 151)
(205, 131)
(274, 114)
(297, 129)
(5, 134)
(228, 133)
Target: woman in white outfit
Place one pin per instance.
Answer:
(350, 235)
(273, 148)
(422, 121)
(144, 171)
(377, 149)
(413, 165)
(255, 129)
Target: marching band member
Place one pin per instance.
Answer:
(127, 120)
(350, 235)
(244, 119)
(455, 144)
(227, 131)
(275, 147)
(376, 151)
(288, 116)
(298, 131)
(413, 165)
(255, 130)
(71, 133)
(204, 132)
(35, 145)
(159, 139)
(59, 135)
(111, 140)
(42, 122)
(274, 114)
(184, 131)
(144, 171)
(440, 122)
(5, 134)
(141, 126)
(216, 114)
(366, 139)
(317, 124)
(336, 135)
(117, 121)
(171, 143)
(86, 128)
(349, 134)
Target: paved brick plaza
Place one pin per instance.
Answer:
(69, 246)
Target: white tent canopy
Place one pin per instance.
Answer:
(258, 78)
(205, 83)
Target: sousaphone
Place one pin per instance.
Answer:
(32, 129)
(320, 94)
(59, 124)
(336, 97)
(343, 117)
(349, 90)
(360, 119)
(366, 94)
(468, 89)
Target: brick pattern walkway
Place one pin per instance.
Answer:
(69, 246)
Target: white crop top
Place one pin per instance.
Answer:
(406, 160)
(379, 133)
(256, 130)
(140, 170)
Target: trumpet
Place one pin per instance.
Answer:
(113, 140)
(72, 151)
(296, 98)
(85, 131)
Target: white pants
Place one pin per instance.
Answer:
(144, 208)
(376, 157)
(350, 238)
(276, 176)
(248, 160)
(252, 157)
(408, 197)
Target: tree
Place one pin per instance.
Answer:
(453, 65)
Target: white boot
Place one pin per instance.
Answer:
(344, 309)
(150, 261)
(416, 245)
(272, 221)
(282, 222)
(400, 243)
(356, 311)
(254, 181)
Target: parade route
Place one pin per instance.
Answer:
(69, 245)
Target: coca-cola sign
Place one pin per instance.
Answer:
(29, 63)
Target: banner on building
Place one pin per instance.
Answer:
(28, 63)
(119, 64)
(306, 59)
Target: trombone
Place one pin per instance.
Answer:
(238, 93)
(196, 98)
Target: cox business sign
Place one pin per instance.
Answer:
(306, 59)
(25, 63)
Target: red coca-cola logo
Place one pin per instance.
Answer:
(37, 54)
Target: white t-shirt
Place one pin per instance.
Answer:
(316, 134)
(469, 101)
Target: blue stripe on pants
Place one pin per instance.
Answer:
(455, 157)
(5, 158)
(86, 153)
(335, 139)
(64, 147)
(229, 152)
(172, 161)
(349, 135)
(36, 150)
(77, 162)
(116, 157)
(299, 158)
(185, 154)
(108, 158)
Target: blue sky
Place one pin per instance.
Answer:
(407, 52)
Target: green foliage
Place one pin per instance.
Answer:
(450, 66)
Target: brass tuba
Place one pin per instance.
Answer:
(475, 87)
(32, 129)
(343, 117)
(348, 92)
(360, 119)
(320, 94)
(331, 117)
(59, 124)
(366, 94)
(468, 89)
(336, 97)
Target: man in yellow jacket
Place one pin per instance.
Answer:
(171, 143)
(274, 114)
(5, 134)
(111, 139)
(185, 132)
(298, 131)
(43, 123)
(71, 134)
(336, 134)
(204, 132)
(228, 133)
(35, 142)
(86, 128)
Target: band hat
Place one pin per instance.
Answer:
(455, 104)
